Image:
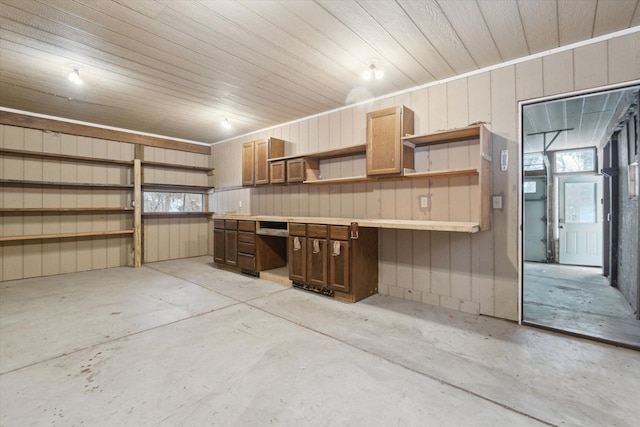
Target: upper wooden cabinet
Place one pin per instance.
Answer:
(255, 159)
(386, 152)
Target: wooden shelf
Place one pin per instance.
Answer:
(62, 210)
(443, 137)
(63, 184)
(65, 235)
(330, 154)
(178, 188)
(63, 157)
(175, 166)
(176, 213)
(447, 173)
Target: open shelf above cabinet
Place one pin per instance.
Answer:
(63, 157)
(176, 166)
(14, 182)
(446, 136)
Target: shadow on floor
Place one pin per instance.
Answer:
(579, 301)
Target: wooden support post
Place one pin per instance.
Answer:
(137, 213)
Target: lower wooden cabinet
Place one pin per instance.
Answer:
(330, 260)
(231, 242)
(218, 245)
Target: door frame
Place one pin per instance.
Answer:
(519, 145)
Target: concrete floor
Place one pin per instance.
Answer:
(578, 300)
(183, 343)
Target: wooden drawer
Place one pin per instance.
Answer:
(339, 232)
(218, 223)
(244, 237)
(246, 226)
(316, 230)
(247, 262)
(297, 229)
(246, 248)
(230, 224)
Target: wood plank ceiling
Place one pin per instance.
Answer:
(180, 67)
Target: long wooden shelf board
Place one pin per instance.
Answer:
(65, 157)
(403, 224)
(176, 213)
(64, 210)
(64, 235)
(470, 132)
(446, 173)
(63, 184)
(338, 152)
(175, 166)
(339, 180)
(177, 187)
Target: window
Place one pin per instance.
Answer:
(583, 160)
(156, 201)
(529, 187)
(580, 202)
(533, 161)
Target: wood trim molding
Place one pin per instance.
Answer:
(33, 122)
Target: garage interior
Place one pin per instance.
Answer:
(319, 212)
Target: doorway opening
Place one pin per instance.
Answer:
(580, 219)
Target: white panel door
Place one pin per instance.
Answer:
(580, 220)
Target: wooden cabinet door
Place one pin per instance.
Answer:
(297, 259)
(248, 163)
(385, 148)
(261, 164)
(277, 171)
(218, 245)
(317, 262)
(339, 266)
(295, 170)
(231, 247)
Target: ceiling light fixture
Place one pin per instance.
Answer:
(226, 124)
(372, 70)
(74, 75)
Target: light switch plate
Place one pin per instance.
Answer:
(240, 204)
(424, 201)
(497, 202)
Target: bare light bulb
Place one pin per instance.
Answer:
(226, 124)
(74, 76)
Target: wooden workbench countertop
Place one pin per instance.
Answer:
(404, 224)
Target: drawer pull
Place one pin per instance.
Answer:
(336, 249)
(296, 244)
(316, 246)
(354, 230)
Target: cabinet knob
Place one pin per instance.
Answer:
(354, 230)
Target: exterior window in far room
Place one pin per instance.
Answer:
(160, 201)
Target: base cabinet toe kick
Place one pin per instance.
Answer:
(340, 261)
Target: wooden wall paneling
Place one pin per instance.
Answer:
(460, 192)
(324, 133)
(373, 200)
(387, 262)
(295, 198)
(324, 201)
(164, 237)
(457, 104)
(419, 103)
(313, 208)
(461, 266)
(529, 82)
(359, 200)
(314, 138)
(387, 199)
(193, 241)
(203, 236)
(404, 267)
(347, 201)
(277, 200)
(183, 239)
(174, 238)
(479, 87)
(286, 200)
(622, 66)
(590, 66)
(302, 143)
(557, 72)
(440, 263)
(421, 263)
(335, 200)
(437, 108)
(269, 201)
(504, 127)
(403, 202)
(150, 237)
